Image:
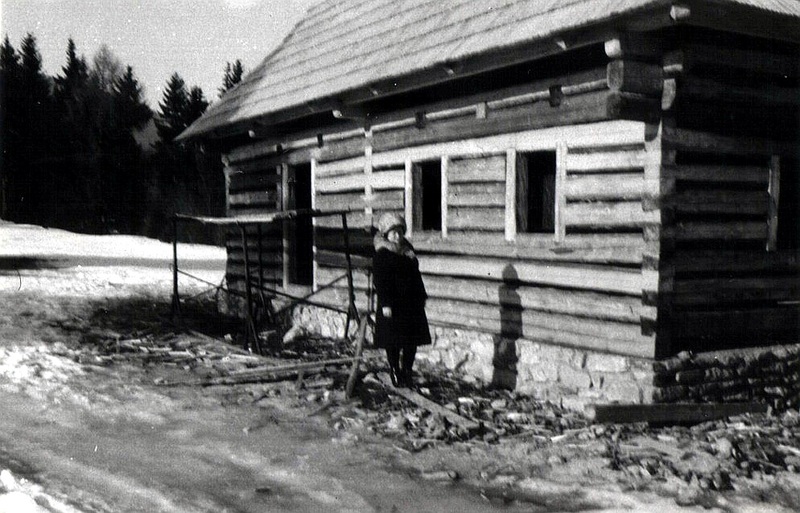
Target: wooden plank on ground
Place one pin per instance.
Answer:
(674, 413)
(434, 407)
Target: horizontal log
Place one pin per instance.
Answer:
(386, 200)
(635, 77)
(605, 161)
(718, 231)
(582, 304)
(340, 201)
(531, 331)
(492, 219)
(622, 281)
(350, 166)
(385, 180)
(635, 45)
(736, 261)
(483, 246)
(479, 169)
(355, 220)
(697, 55)
(253, 182)
(264, 198)
(699, 141)
(635, 106)
(735, 290)
(586, 108)
(720, 174)
(721, 202)
(333, 238)
(343, 183)
(476, 195)
(600, 215)
(764, 95)
(338, 260)
(625, 186)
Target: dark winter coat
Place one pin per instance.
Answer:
(399, 286)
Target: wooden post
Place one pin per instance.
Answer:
(561, 198)
(774, 190)
(285, 239)
(409, 196)
(511, 195)
(362, 333)
(250, 327)
(368, 188)
(351, 294)
(444, 187)
(176, 304)
(314, 264)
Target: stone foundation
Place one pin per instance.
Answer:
(568, 376)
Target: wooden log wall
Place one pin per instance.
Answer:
(735, 139)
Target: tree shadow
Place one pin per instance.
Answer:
(504, 362)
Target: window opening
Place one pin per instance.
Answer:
(536, 192)
(301, 236)
(427, 201)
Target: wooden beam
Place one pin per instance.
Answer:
(603, 279)
(635, 77)
(721, 174)
(673, 413)
(408, 189)
(720, 202)
(483, 218)
(623, 186)
(607, 161)
(744, 230)
(444, 163)
(560, 223)
(434, 407)
(609, 214)
(510, 230)
(699, 141)
(635, 45)
(764, 95)
(774, 202)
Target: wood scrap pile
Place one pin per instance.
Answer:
(446, 409)
(766, 374)
(711, 455)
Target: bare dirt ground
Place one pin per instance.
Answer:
(83, 429)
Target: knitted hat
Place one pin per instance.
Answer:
(390, 220)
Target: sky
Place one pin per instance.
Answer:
(194, 38)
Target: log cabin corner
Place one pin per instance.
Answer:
(602, 193)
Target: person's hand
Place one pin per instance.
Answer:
(387, 311)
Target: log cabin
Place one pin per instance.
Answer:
(592, 186)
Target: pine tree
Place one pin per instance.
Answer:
(129, 105)
(106, 68)
(75, 74)
(10, 116)
(196, 106)
(233, 75)
(171, 120)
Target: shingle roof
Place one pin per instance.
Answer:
(342, 45)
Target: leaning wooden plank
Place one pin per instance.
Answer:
(362, 333)
(434, 407)
(671, 413)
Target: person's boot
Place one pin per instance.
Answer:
(394, 376)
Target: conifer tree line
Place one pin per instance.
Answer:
(70, 158)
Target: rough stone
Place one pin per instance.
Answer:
(596, 362)
(574, 378)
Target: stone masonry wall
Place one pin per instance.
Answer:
(569, 376)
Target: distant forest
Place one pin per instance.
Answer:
(70, 156)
